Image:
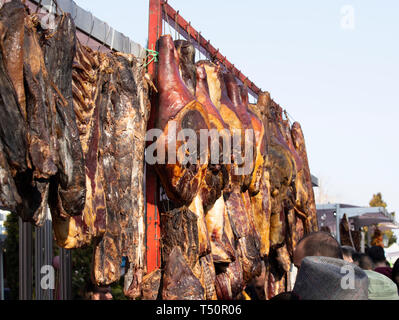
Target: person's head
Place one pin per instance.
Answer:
(317, 244)
(381, 287)
(395, 273)
(356, 257)
(288, 296)
(365, 262)
(377, 255)
(348, 253)
(325, 278)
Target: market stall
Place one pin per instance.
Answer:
(332, 215)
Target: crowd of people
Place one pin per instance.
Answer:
(329, 271)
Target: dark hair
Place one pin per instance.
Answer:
(321, 244)
(365, 262)
(348, 251)
(356, 256)
(376, 254)
(395, 272)
(285, 296)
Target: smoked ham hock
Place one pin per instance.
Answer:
(178, 110)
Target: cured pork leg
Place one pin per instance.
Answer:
(178, 110)
(217, 176)
(261, 204)
(282, 173)
(247, 131)
(300, 146)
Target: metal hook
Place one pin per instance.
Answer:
(38, 6)
(176, 25)
(166, 17)
(188, 31)
(199, 45)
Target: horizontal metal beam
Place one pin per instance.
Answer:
(96, 28)
(355, 211)
(326, 206)
(186, 30)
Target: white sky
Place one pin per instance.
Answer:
(340, 84)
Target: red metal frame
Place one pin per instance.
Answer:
(152, 185)
(160, 11)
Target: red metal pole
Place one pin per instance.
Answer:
(152, 188)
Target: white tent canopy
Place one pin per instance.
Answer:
(392, 253)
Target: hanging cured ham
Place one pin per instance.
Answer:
(260, 185)
(178, 110)
(300, 146)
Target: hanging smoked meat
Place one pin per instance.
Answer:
(248, 152)
(178, 110)
(179, 63)
(282, 173)
(75, 232)
(59, 49)
(124, 113)
(296, 207)
(13, 127)
(248, 246)
(204, 199)
(217, 177)
(244, 241)
(41, 118)
(12, 19)
(134, 105)
(9, 196)
(151, 284)
(261, 204)
(179, 282)
(280, 165)
(300, 146)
